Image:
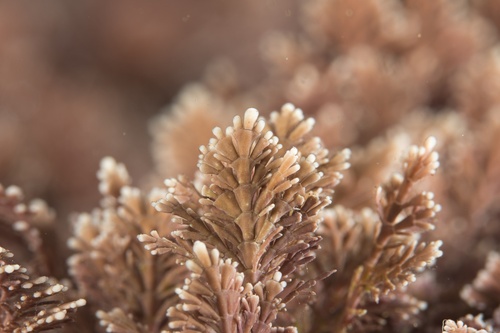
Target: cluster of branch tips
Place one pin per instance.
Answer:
(248, 227)
(30, 304)
(244, 247)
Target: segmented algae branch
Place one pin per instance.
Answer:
(397, 253)
(248, 229)
(130, 289)
(29, 300)
(31, 304)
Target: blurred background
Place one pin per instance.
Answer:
(81, 80)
